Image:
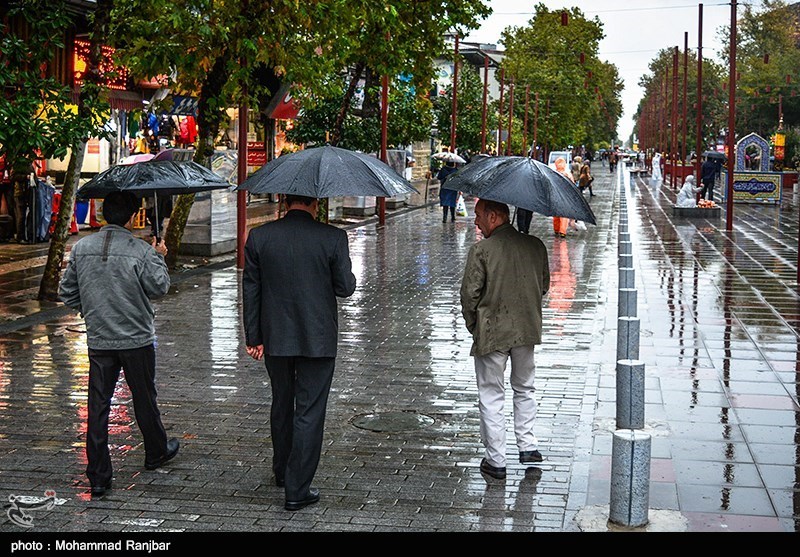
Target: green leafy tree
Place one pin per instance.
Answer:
(226, 52)
(714, 106)
(561, 63)
(39, 118)
(469, 108)
(409, 119)
(767, 59)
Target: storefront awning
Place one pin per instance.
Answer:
(283, 106)
(120, 100)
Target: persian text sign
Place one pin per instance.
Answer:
(757, 187)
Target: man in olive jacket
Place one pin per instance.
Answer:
(506, 275)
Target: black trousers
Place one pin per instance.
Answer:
(451, 210)
(708, 190)
(140, 373)
(524, 217)
(300, 388)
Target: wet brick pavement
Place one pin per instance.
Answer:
(719, 338)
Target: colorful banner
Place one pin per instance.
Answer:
(754, 187)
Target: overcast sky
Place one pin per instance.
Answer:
(634, 33)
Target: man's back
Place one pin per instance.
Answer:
(295, 268)
(505, 279)
(708, 170)
(111, 278)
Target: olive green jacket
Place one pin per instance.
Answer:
(505, 278)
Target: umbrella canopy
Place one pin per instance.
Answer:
(153, 177)
(715, 155)
(447, 156)
(327, 172)
(522, 182)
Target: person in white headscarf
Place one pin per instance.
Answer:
(655, 174)
(687, 197)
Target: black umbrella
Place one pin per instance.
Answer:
(153, 177)
(714, 155)
(327, 172)
(522, 182)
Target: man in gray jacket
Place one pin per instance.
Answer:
(506, 275)
(110, 279)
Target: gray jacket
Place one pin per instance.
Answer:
(505, 278)
(110, 279)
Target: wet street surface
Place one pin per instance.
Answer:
(720, 340)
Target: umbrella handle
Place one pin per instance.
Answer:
(155, 209)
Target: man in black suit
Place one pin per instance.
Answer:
(295, 268)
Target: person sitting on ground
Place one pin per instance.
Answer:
(687, 197)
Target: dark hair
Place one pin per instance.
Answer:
(119, 207)
(496, 207)
(305, 200)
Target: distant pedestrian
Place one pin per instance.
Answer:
(505, 277)
(708, 173)
(295, 268)
(524, 218)
(585, 179)
(110, 279)
(560, 224)
(447, 198)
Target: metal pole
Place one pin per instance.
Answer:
(455, 99)
(535, 126)
(241, 196)
(500, 110)
(525, 125)
(731, 121)
(485, 93)
(699, 147)
(674, 132)
(685, 86)
(384, 135)
(510, 115)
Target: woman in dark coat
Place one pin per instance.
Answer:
(447, 198)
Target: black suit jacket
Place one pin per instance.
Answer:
(294, 269)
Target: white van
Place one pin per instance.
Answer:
(566, 155)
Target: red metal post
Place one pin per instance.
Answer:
(732, 124)
(685, 86)
(455, 99)
(510, 116)
(535, 127)
(674, 123)
(699, 147)
(384, 135)
(525, 124)
(485, 98)
(241, 196)
(500, 111)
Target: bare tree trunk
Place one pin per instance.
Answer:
(208, 123)
(48, 288)
(336, 135)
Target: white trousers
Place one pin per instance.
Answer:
(490, 372)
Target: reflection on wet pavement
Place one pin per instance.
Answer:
(720, 338)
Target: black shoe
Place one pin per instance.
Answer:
(313, 497)
(172, 449)
(530, 456)
(100, 490)
(493, 471)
